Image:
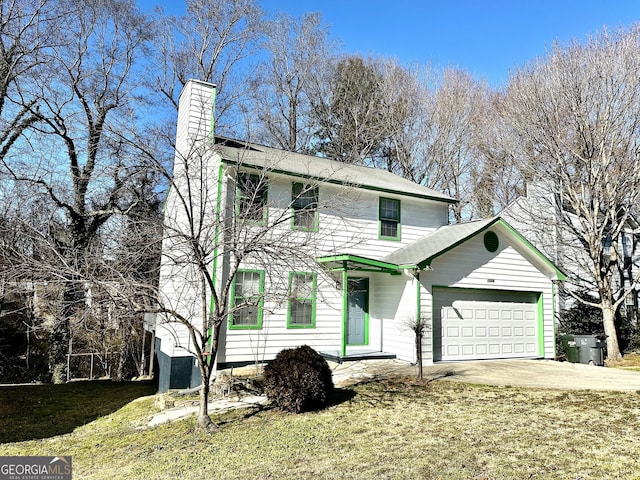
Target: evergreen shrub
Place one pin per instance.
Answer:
(298, 380)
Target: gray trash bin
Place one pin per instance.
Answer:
(570, 349)
(590, 348)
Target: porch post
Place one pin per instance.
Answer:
(416, 276)
(345, 307)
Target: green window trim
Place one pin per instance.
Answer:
(249, 200)
(302, 299)
(389, 226)
(304, 200)
(258, 302)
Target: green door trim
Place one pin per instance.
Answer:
(541, 324)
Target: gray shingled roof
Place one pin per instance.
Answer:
(309, 166)
(436, 243)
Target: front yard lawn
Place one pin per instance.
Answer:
(41, 411)
(383, 429)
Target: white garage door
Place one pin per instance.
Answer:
(481, 324)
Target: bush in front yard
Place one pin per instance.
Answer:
(298, 380)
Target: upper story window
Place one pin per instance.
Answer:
(626, 246)
(627, 249)
(252, 197)
(304, 199)
(389, 218)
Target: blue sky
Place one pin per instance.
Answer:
(485, 37)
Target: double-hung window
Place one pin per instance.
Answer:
(389, 218)
(252, 197)
(305, 206)
(247, 299)
(302, 300)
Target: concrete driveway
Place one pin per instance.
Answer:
(517, 373)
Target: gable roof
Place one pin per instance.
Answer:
(251, 155)
(423, 251)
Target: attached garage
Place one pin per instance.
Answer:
(470, 324)
(484, 290)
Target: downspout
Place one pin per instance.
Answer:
(218, 219)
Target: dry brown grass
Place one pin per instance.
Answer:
(630, 361)
(390, 429)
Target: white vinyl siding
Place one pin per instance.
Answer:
(275, 334)
(179, 283)
(393, 305)
(194, 122)
(348, 219)
(353, 223)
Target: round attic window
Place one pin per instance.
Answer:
(491, 242)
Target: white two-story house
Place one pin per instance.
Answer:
(348, 256)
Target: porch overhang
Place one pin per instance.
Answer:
(355, 263)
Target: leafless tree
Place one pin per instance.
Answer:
(576, 112)
(420, 327)
(500, 171)
(298, 49)
(87, 88)
(431, 119)
(406, 94)
(212, 42)
(457, 101)
(26, 28)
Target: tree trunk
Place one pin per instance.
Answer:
(72, 299)
(204, 421)
(59, 348)
(608, 320)
(124, 353)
